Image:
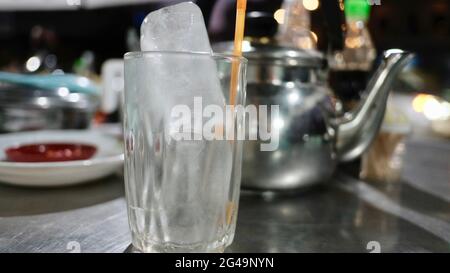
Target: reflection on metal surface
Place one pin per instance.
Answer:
(24, 108)
(44, 201)
(377, 199)
(320, 221)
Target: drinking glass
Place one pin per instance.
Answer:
(182, 193)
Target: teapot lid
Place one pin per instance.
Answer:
(275, 54)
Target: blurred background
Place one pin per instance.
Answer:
(89, 37)
(68, 30)
(79, 36)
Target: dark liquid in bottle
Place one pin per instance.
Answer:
(348, 85)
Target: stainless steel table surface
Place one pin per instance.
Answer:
(345, 215)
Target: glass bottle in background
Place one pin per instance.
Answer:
(295, 28)
(350, 68)
(85, 65)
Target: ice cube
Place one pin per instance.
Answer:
(194, 192)
(196, 174)
(179, 27)
(175, 79)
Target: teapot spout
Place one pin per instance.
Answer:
(357, 129)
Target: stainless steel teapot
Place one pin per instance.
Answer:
(316, 133)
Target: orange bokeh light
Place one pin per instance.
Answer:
(419, 102)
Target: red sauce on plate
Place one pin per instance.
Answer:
(50, 152)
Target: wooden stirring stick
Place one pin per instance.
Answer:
(237, 51)
(238, 38)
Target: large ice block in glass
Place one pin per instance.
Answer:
(178, 191)
(175, 28)
(179, 28)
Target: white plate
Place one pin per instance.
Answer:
(107, 160)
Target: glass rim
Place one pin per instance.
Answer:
(141, 54)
